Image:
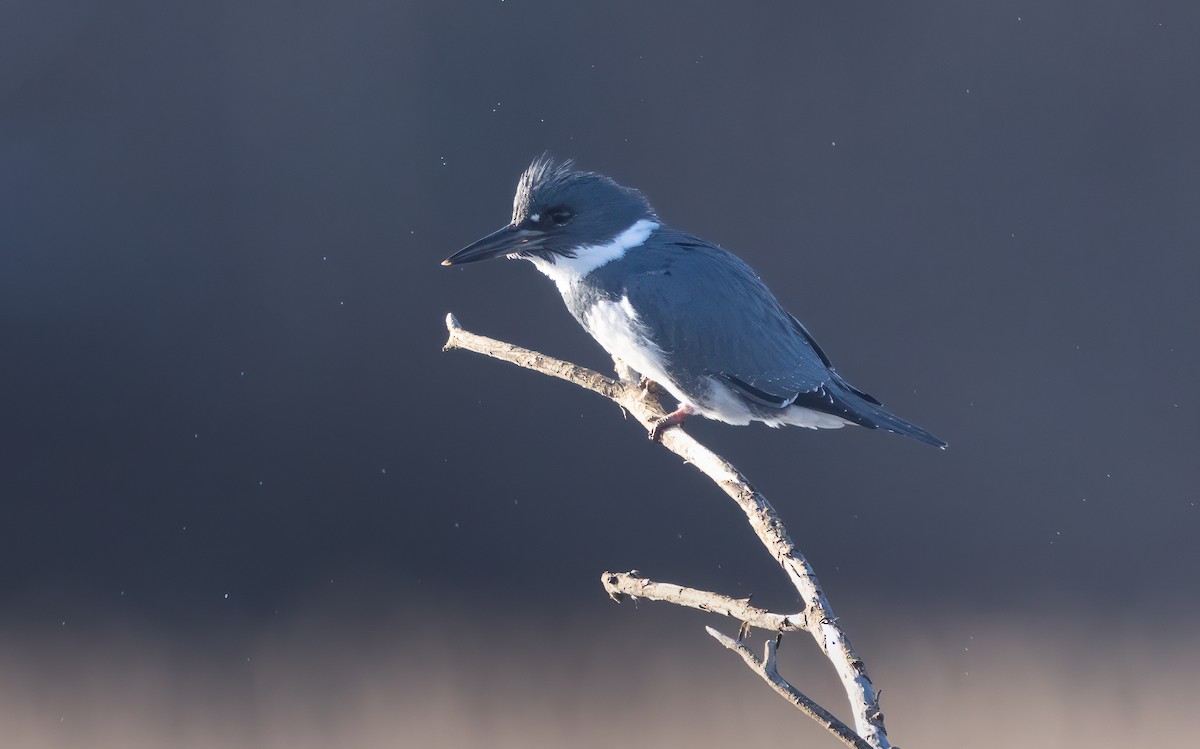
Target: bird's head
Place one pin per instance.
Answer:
(559, 212)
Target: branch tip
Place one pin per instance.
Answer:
(454, 328)
(610, 581)
(722, 638)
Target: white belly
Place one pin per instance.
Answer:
(724, 405)
(616, 327)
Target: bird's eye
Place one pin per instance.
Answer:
(560, 216)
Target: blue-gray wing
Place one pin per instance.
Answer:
(713, 316)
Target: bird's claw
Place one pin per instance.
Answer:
(675, 418)
(649, 386)
(657, 429)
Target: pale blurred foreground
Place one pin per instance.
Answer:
(652, 679)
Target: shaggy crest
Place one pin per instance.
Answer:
(546, 176)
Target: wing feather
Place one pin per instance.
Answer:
(711, 314)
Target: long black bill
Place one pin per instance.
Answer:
(508, 240)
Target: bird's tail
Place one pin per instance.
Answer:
(864, 410)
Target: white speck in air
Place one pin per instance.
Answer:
(226, 595)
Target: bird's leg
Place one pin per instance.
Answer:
(649, 386)
(630, 376)
(675, 418)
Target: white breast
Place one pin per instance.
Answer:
(617, 327)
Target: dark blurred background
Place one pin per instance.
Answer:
(247, 501)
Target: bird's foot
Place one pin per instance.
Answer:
(649, 387)
(675, 418)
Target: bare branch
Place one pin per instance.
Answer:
(461, 338)
(770, 674)
(763, 519)
(620, 584)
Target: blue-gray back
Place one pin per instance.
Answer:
(712, 316)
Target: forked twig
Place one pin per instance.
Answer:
(768, 670)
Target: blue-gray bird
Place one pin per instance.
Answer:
(674, 309)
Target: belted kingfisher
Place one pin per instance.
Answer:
(676, 310)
